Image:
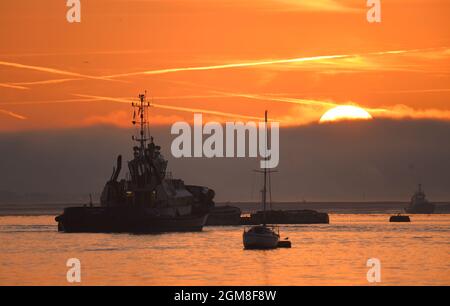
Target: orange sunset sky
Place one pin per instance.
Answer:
(230, 59)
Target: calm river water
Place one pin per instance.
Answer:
(32, 252)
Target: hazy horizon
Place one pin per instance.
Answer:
(379, 160)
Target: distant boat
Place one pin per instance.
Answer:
(262, 236)
(399, 218)
(419, 204)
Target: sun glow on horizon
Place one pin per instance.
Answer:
(345, 112)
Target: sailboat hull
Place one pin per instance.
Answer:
(260, 241)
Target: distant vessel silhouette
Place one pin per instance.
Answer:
(399, 218)
(419, 204)
(148, 200)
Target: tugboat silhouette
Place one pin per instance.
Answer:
(419, 203)
(146, 202)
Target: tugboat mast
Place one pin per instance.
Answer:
(141, 107)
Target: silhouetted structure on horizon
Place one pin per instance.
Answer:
(419, 203)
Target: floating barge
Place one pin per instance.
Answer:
(224, 215)
(231, 215)
(287, 217)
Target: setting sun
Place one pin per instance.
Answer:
(345, 112)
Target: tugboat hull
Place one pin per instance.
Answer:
(109, 220)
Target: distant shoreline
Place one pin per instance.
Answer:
(368, 207)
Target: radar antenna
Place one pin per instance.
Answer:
(141, 109)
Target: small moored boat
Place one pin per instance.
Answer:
(262, 236)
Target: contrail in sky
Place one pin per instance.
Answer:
(431, 90)
(49, 102)
(196, 68)
(174, 108)
(128, 99)
(279, 99)
(11, 85)
(307, 102)
(227, 66)
(53, 81)
(52, 70)
(260, 63)
(217, 95)
(12, 114)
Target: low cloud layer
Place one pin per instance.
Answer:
(376, 160)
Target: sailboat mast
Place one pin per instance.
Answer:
(264, 196)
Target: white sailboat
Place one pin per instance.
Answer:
(262, 236)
